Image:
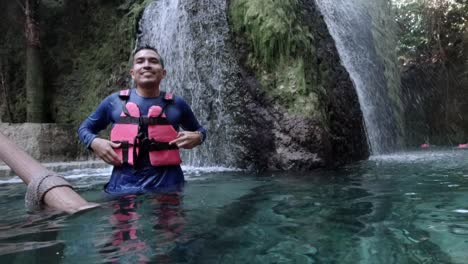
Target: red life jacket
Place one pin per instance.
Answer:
(140, 135)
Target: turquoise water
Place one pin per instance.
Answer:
(403, 208)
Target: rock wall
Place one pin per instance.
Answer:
(435, 98)
(330, 131)
(45, 142)
(435, 103)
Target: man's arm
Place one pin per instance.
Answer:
(89, 129)
(194, 133)
(104, 149)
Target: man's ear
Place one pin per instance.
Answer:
(164, 73)
(132, 73)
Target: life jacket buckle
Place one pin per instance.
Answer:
(144, 143)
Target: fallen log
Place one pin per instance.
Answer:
(45, 187)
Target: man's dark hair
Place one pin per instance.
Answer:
(148, 47)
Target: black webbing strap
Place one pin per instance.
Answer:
(135, 153)
(124, 95)
(169, 98)
(156, 146)
(128, 119)
(156, 120)
(143, 120)
(125, 110)
(124, 152)
(124, 145)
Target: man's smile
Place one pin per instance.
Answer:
(147, 73)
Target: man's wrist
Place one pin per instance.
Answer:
(90, 146)
(201, 137)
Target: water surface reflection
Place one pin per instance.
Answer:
(403, 208)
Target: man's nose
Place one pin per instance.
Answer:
(146, 64)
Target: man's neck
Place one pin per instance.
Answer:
(148, 91)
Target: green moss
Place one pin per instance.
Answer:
(86, 48)
(12, 61)
(281, 51)
(89, 53)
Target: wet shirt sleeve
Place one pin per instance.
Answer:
(96, 122)
(188, 120)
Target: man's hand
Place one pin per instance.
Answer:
(187, 139)
(105, 150)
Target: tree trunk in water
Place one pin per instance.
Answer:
(34, 79)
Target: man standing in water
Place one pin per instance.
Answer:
(144, 142)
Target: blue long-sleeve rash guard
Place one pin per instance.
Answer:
(125, 179)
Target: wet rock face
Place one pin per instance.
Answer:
(247, 128)
(282, 140)
(301, 144)
(44, 142)
(345, 133)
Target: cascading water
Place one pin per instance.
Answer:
(350, 25)
(191, 36)
(194, 39)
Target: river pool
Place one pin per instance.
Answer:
(408, 207)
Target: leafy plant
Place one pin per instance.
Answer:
(280, 46)
(431, 30)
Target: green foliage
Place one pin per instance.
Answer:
(86, 48)
(89, 54)
(434, 43)
(281, 44)
(273, 27)
(12, 60)
(430, 29)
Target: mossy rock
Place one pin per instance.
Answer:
(281, 52)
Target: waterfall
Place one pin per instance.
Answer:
(350, 25)
(194, 40)
(191, 37)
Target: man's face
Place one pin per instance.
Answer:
(147, 68)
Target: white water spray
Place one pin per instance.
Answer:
(191, 36)
(351, 25)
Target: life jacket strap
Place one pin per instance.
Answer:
(156, 121)
(158, 146)
(143, 120)
(168, 96)
(124, 94)
(124, 145)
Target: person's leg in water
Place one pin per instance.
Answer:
(169, 221)
(124, 242)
